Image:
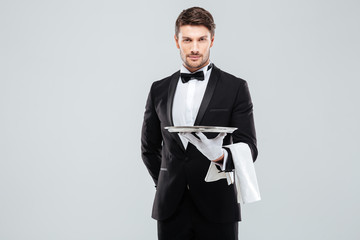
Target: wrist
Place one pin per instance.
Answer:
(219, 159)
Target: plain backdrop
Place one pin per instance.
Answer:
(74, 78)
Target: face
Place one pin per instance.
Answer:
(194, 43)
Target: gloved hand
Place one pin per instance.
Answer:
(210, 148)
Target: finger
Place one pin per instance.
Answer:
(221, 135)
(191, 138)
(201, 136)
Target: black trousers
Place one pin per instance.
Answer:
(188, 224)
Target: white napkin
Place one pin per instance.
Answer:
(245, 176)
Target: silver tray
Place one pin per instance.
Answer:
(179, 129)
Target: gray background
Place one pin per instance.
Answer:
(74, 77)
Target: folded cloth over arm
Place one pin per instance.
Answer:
(245, 176)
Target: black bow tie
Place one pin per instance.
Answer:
(185, 77)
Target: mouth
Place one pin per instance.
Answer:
(194, 57)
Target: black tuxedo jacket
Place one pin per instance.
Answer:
(226, 102)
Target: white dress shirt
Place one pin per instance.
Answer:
(187, 99)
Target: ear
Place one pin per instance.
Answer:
(177, 41)
(212, 41)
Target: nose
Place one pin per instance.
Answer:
(195, 48)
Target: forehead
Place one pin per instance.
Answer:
(194, 31)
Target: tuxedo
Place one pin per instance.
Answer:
(176, 170)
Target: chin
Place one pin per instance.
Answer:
(195, 64)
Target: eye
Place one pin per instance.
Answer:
(187, 40)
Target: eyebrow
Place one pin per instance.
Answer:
(205, 36)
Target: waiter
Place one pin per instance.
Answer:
(200, 94)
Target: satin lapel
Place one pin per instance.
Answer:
(170, 101)
(215, 74)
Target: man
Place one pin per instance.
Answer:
(185, 205)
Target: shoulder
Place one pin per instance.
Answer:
(160, 88)
(228, 78)
(164, 83)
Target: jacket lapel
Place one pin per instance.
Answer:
(171, 92)
(215, 73)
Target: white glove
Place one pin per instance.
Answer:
(210, 148)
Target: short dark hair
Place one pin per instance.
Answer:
(195, 16)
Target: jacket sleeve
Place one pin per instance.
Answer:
(242, 118)
(151, 140)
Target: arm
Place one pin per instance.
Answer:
(151, 140)
(243, 119)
